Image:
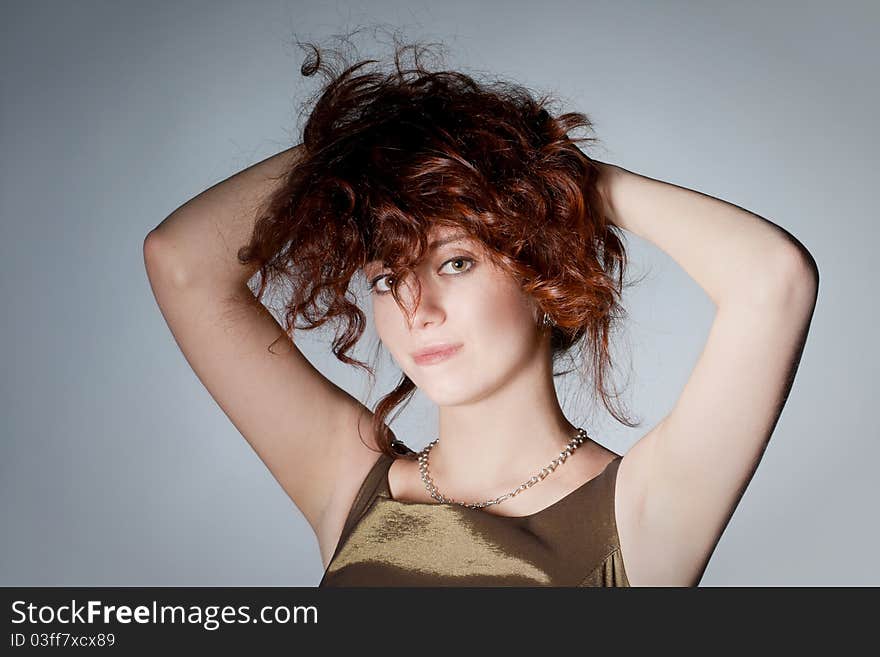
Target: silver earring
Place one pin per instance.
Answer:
(547, 321)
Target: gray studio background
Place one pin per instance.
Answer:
(119, 469)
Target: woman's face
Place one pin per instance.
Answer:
(467, 301)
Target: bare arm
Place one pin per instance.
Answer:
(202, 237)
(681, 482)
(301, 425)
(729, 251)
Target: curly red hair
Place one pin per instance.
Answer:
(387, 156)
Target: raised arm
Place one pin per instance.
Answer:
(680, 483)
(304, 428)
(201, 238)
(730, 252)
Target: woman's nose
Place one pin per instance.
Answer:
(422, 300)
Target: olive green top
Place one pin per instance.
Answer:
(388, 542)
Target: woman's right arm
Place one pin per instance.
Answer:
(201, 238)
(301, 425)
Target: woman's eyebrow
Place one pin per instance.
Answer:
(432, 246)
(436, 244)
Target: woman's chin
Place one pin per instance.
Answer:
(443, 395)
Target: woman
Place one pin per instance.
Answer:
(490, 246)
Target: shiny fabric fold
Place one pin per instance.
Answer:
(387, 542)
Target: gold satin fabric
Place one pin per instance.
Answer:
(386, 542)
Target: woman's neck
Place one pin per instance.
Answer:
(499, 441)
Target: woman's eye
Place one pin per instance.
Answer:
(460, 266)
(456, 261)
(376, 282)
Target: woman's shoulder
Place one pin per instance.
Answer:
(356, 490)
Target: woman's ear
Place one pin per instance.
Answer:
(537, 312)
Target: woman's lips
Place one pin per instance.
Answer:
(437, 356)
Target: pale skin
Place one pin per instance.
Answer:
(499, 417)
(500, 420)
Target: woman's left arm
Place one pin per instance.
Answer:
(730, 252)
(681, 482)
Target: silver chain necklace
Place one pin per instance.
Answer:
(573, 444)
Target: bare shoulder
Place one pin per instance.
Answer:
(632, 472)
(641, 556)
(680, 484)
(358, 459)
